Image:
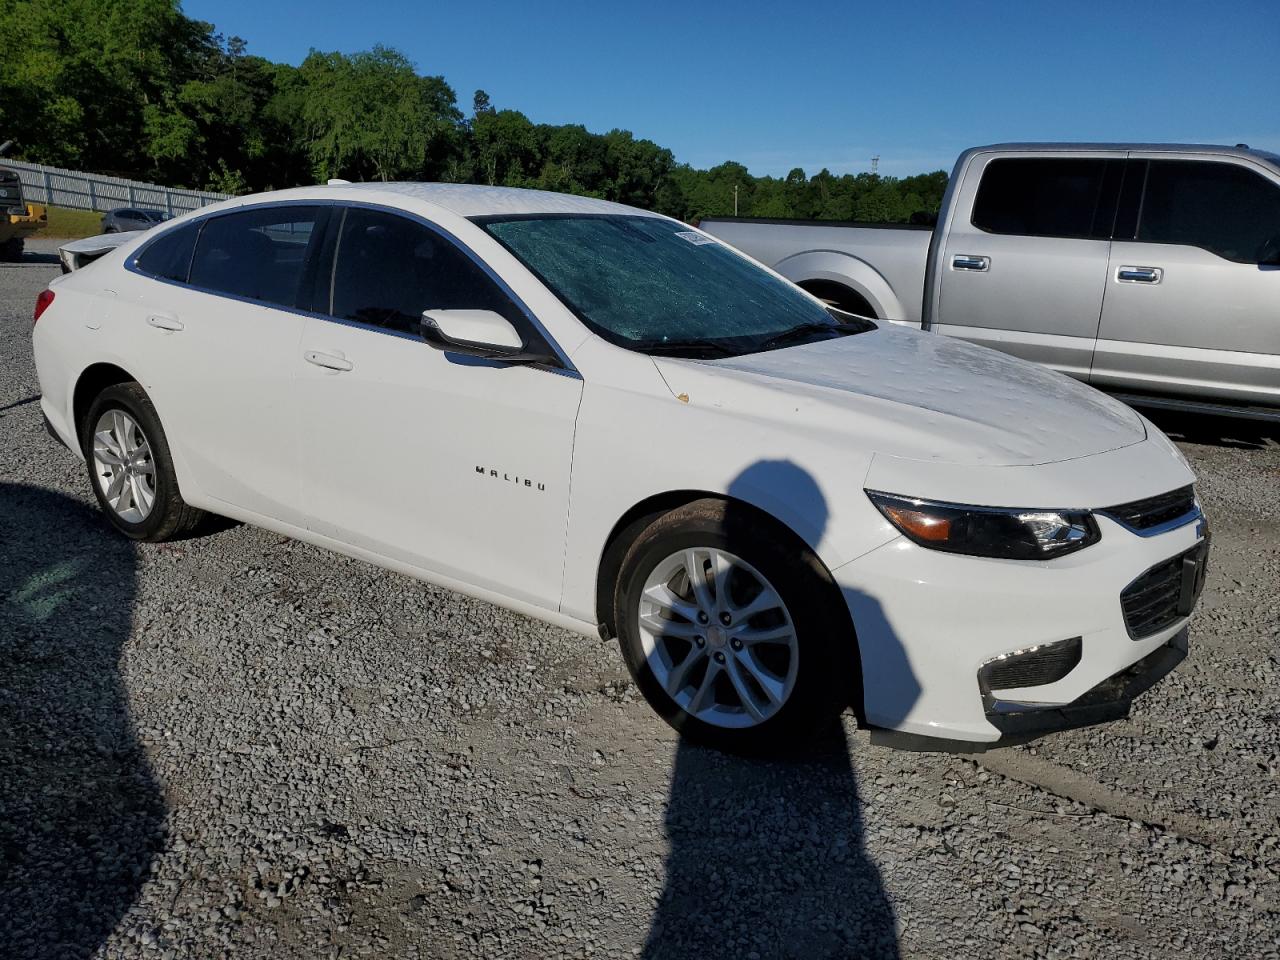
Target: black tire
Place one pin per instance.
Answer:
(828, 677)
(11, 250)
(170, 516)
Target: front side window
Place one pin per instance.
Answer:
(654, 285)
(1220, 207)
(169, 255)
(1044, 197)
(259, 253)
(390, 269)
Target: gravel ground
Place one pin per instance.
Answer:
(239, 745)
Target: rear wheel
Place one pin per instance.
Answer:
(11, 250)
(732, 630)
(131, 469)
(839, 296)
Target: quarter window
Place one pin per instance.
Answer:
(258, 253)
(1221, 207)
(169, 256)
(1045, 197)
(390, 269)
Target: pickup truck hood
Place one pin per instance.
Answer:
(917, 395)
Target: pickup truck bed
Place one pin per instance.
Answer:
(820, 252)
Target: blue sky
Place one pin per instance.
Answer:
(814, 84)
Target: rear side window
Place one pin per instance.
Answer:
(169, 256)
(260, 253)
(1221, 207)
(390, 269)
(1045, 197)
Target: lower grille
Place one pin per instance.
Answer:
(1162, 596)
(1031, 668)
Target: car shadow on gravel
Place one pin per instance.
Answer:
(81, 816)
(1216, 431)
(30, 258)
(766, 853)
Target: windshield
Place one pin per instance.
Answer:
(657, 286)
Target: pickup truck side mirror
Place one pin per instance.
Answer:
(1269, 254)
(477, 333)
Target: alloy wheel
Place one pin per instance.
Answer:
(718, 637)
(123, 466)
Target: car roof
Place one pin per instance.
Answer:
(1219, 148)
(462, 199)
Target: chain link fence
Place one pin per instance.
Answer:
(56, 187)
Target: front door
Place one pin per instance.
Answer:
(455, 465)
(1025, 271)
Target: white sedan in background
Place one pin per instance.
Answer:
(604, 419)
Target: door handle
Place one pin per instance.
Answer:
(162, 322)
(1139, 274)
(329, 361)
(965, 261)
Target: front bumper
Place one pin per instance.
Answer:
(928, 623)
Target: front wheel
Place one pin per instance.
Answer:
(732, 630)
(131, 468)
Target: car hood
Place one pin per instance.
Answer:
(917, 395)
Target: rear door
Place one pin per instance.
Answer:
(222, 331)
(452, 464)
(1025, 260)
(1188, 308)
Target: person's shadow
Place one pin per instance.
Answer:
(766, 854)
(81, 816)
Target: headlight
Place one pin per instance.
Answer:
(1008, 534)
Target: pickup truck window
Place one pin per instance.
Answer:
(655, 286)
(1221, 207)
(1048, 197)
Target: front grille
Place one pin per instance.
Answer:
(1152, 602)
(1151, 512)
(1031, 668)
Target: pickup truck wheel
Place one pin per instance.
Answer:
(730, 635)
(11, 250)
(839, 296)
(131, 469)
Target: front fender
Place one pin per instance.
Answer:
(635, 444)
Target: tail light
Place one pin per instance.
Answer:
(42, 303)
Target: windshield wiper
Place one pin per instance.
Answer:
(692, 346)
(811, 327)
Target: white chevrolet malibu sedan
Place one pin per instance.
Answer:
(605, 419)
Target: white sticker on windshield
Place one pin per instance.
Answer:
(697, 239)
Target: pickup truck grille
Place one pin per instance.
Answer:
(1151, 512)
(1164, 594)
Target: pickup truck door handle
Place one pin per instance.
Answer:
(329, 361)
(1139, 274)
(162, 321)
(964, 261)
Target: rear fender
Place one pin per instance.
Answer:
(856, 274)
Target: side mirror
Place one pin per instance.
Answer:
(476, 333)
(1269, 254)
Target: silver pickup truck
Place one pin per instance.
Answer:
(1150, 271)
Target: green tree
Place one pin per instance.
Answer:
(370, 116)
